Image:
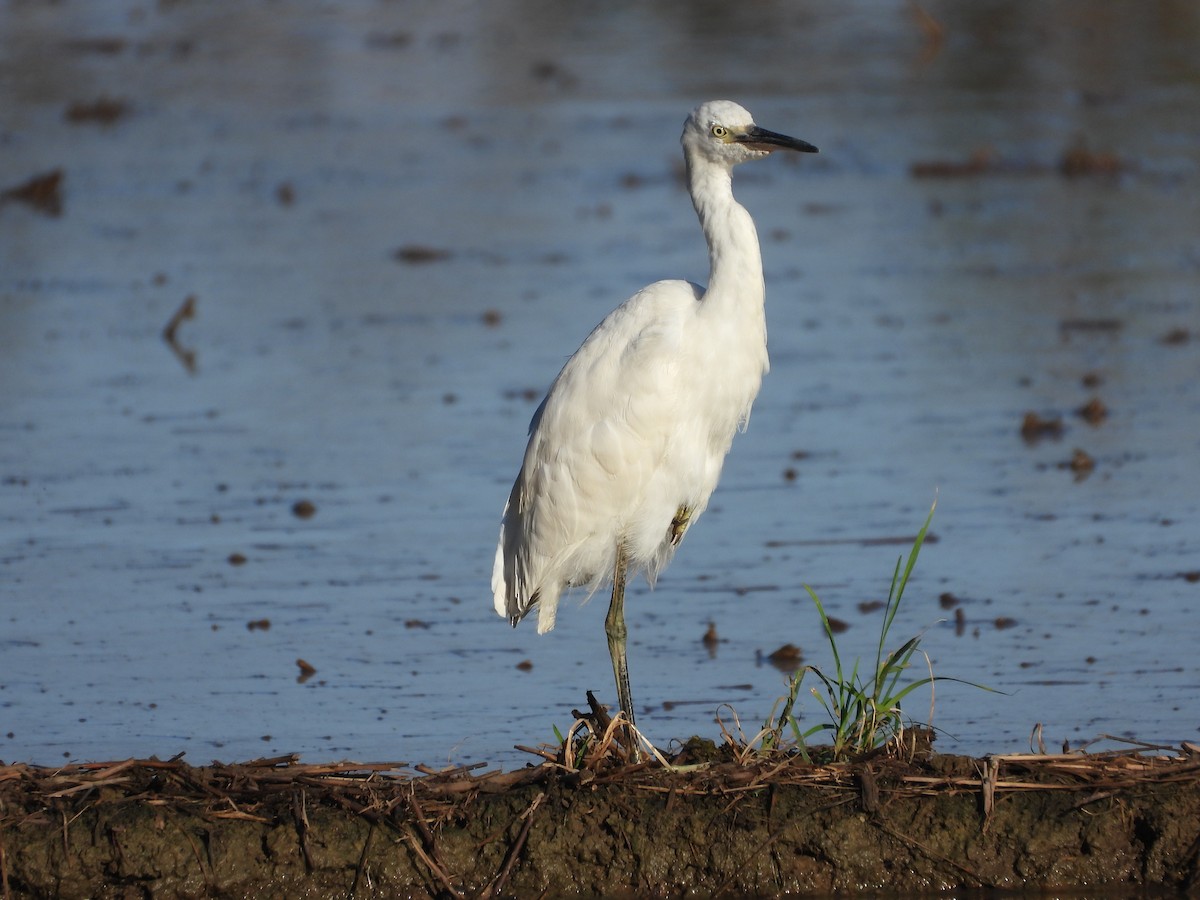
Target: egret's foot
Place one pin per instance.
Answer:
(679, 524)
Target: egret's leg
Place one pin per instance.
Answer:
(614, 627)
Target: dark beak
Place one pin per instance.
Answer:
(760, 139)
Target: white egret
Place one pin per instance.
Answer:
(628, 444)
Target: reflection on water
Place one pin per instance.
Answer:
(397, 222)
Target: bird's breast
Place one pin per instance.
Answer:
(726, 371)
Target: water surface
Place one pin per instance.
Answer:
(397, 221)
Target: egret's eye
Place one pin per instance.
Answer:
(720, 131)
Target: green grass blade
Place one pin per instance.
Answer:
(863, 709)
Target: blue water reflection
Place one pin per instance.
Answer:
(273, 170)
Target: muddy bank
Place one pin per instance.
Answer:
(276, 828)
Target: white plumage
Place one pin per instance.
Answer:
(627, 446)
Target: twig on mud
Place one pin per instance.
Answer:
(1141, 745)
(616, 739)
(423, 827)
(537, 751)
(205, 872)
(286, 761)
(620, 722)
(920, 848)
(7, 893)
(450, 771)
(514, 851)
(741, 746)
(987, 786)
(868, 791)
(300, 814)
(1094, 798)
(600, 725)
(87, 786)
(770, 841)
(112, 769)
(1192, 885)
(362, 863)
(239, 816)
(438, 872)
(419, 821)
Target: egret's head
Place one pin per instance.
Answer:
(724, 132)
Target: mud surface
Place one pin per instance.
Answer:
(909, 823)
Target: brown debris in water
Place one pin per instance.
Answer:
(1078, 160)
(102, 111)
(1075, 161)
(388, 40)
(41, 192)
(285, 193)
(417, 254)
(711, 640)
(980, 162)
(1093, 412)
(307, 670)
(186, 312)
(933, 30)
(99, 46)
(1081, 464)
(787, 658)
(1035, 427)
(1067, 328)
(1176, 337)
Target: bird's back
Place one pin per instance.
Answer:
(635, 427)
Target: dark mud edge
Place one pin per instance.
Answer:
(923, 823)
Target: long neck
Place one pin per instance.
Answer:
(736, 275)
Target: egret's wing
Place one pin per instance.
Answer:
(595, 441)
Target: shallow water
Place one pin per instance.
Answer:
(524, 163)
